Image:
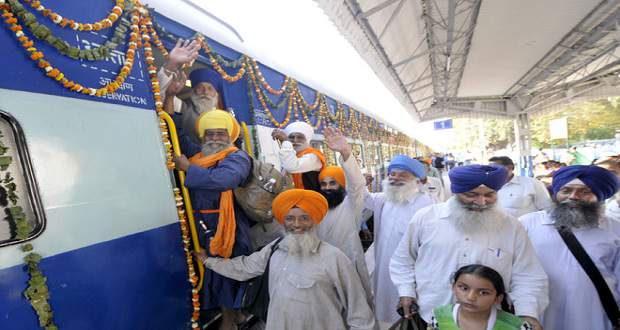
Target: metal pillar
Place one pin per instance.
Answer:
(524, 144)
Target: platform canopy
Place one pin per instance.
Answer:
(444, 58)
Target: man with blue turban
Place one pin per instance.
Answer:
(401, 198)
(207, 93)
(579, 193)
(469, 228)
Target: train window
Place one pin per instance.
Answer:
(21, 212)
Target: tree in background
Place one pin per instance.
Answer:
(592, 120)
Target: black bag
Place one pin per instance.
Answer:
(604, 293)
(415, 323)
(255, 299)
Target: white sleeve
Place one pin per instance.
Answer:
(529, 286)
(542, 200)
(292, 164)
(356, 187)
(402, 264)
(164, 81)
(241, 268)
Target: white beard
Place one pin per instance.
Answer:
(400, 194)
(467, 221)
(213, 147)
(301, 244)
(204, 103)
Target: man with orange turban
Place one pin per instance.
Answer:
(344, 187)
(312, 285)
(297, 157)
(214, 169)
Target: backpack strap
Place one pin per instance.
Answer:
(604, 293)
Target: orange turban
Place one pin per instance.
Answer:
(218, 119)
(310, 201)
(336, 172)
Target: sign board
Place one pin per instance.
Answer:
(443, 124)
(558, 129)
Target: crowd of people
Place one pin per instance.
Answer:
(482, 248)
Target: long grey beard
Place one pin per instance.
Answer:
(213, 147)
(203, 103)
(400, 194)
(574, 214)
(301, 244)
(467, 221)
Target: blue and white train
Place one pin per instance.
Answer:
(92, 180)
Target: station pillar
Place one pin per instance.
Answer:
(523, 138)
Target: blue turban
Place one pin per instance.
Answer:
(466, 178)
(209, 76)
(602, 182)
(408, 164)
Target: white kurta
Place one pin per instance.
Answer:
(433, 249)
(574, 302)
(319, 291)
(612, 209)
(522, 195)
(341, 225)
(434, 187)
(293, 164)
(390, 223)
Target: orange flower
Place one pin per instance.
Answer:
(36, 55)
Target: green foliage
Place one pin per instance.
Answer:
(593, 120)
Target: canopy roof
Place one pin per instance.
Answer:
(444, 58)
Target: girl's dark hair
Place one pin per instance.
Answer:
(490, 274)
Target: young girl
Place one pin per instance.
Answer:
(479, 290)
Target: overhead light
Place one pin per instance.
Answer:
(448, 61)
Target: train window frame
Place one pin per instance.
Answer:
(24, 163)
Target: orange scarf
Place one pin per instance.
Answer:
(224, 239)
(297, 180)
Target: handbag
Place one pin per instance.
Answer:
(255, 298)
(604, 293)
(415, 323)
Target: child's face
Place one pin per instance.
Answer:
(475, 294)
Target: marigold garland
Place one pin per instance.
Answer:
(43, 33)
(107, 22)
(146, 29)
(60, 77)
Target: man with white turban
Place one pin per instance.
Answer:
(467, 229)
(393, 208)
(579, 193)
(312, 285)
(297, 157)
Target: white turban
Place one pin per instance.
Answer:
(300, 127)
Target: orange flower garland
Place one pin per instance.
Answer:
(107, 22)
(54, 73)
(264, 104)
(263, 82)
(218, 67)
(145, 23)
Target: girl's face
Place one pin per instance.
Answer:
(475, 294)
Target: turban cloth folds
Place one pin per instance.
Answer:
(408, 164)
(466, 178)
(300, 127)
(602, 182)
(218, 119)
(310, 201)
(335, 172)
(206, 75)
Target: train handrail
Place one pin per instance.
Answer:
(189, 211)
